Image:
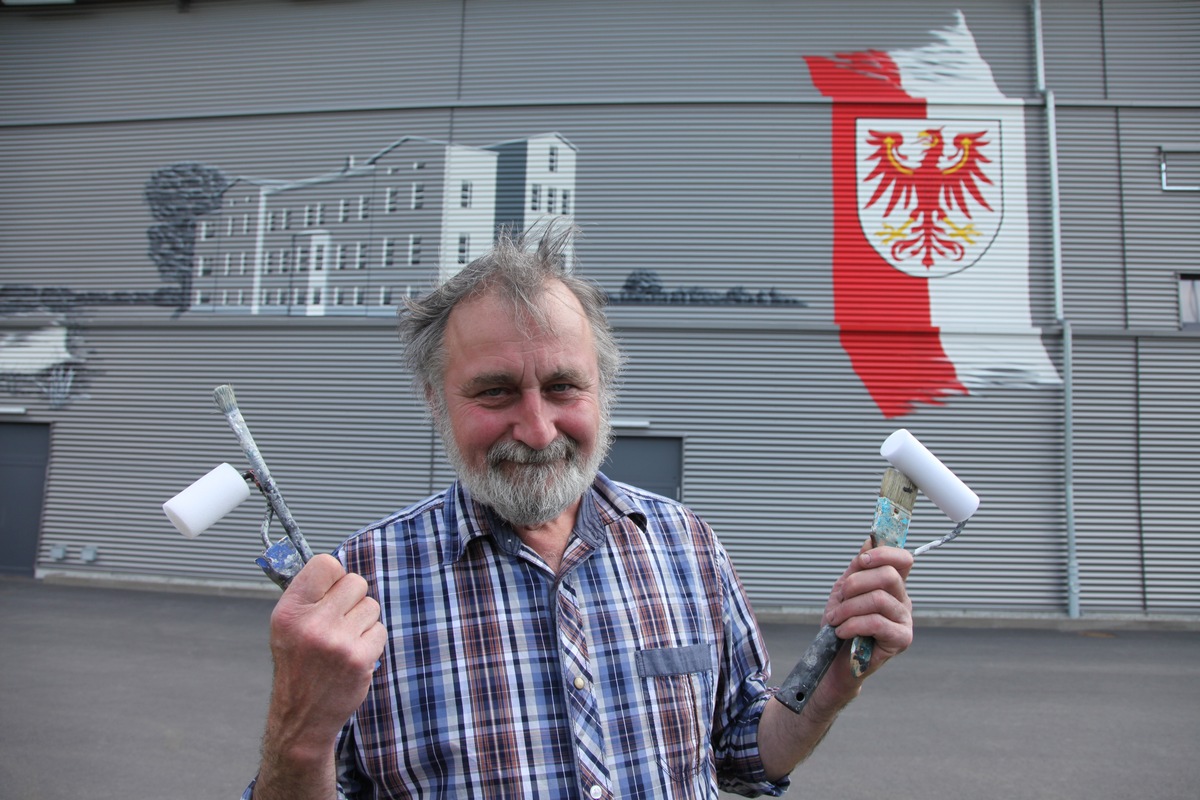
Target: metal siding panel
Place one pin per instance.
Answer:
(329, 407)
(1160, 227)
(1169, 459)
(1093, 241)
(1073, 41)
(1106, 474)
(1150, 49)
(789, 479)
(252, 57)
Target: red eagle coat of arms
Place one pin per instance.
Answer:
(930, 195)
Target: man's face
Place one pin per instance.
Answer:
(522, 420)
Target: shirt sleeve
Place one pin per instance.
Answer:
(743, 695)
(350, 783)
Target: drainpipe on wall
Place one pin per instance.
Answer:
(1060, 317)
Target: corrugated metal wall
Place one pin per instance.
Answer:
(703, 155)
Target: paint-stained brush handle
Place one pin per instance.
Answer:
(897, 494)
(283, 560)
(893, 512)
(812, 666)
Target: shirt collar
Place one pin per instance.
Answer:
(604, 504)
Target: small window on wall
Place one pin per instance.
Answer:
(1189, 300)
(1179, 170)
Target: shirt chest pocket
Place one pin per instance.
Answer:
(677, 684)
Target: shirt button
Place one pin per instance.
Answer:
(596, 793)
(579, 684)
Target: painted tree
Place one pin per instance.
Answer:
(178, 195)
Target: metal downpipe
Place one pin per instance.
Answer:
(1061, 318)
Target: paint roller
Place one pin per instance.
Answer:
(913, 468)
(223, 489)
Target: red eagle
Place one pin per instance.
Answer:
(938, 190)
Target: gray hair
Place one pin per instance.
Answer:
(521, 274)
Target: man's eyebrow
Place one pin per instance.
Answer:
(488, 380)
(485, 380)
(568, 375)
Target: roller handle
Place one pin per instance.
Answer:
(803, 680)
(893, 512)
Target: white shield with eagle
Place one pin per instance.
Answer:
(930, 191)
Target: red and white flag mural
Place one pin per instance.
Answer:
(931, 223)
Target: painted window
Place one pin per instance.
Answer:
(414, 249)
(553, 154)
(1189, 300)
(418, 195)
(535, 197)
(465, 194)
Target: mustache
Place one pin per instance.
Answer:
(562, 448)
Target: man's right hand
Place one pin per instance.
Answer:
(326, 639)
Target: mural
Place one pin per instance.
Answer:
(930, 235)
(354, 240)
(931, 223)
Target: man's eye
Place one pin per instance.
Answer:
(561, 387)
(495, 391)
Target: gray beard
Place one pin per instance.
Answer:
(528, 487)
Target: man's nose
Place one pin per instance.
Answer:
(534, 424)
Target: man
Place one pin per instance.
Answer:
(537, 630)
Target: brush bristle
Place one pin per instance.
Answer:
(224, 397)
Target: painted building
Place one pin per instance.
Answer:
(817, 223)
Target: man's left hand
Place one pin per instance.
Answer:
(870, 599)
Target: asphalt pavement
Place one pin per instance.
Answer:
(120, 693)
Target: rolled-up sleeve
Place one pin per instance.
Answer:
(746, 669)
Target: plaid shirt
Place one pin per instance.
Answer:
(637, 672)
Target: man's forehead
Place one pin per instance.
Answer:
(555, 312)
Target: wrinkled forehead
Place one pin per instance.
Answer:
(547, 310)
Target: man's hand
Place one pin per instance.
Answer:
(869, 599)
(326, 638)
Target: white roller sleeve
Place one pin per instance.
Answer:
(951, 495)
(198, 507)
